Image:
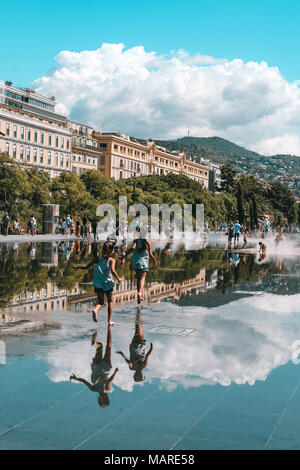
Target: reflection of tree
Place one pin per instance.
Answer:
(244, 272)
(18, 272)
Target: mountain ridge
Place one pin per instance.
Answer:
(282, 168)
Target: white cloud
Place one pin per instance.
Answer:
(144, 94)
(240, 342)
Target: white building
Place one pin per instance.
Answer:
(31, 132)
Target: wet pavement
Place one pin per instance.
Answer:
(222, 371)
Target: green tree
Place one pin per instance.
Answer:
(240, 203)
(228, 175)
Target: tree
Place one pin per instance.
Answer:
(228, 175)
(240, 203)
(254, 210)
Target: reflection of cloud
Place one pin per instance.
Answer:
(240, 342)
(144, 94)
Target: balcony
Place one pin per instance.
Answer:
(77, 143)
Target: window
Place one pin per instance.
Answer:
(67, 162)
(79, 157)
(56, 159)
(49, 158)
(21, 152)
(61, 161)
(84, 158)
(15, 131)
(14, 151)
(68, 144)
(42, 137)
(6, 147)
(56, 141)
(7, 128)
(35, 155)
(28, 135)
(35, 137)
(103, 146)
(62, 142)
(22, 133)
(28, 154)
(102, 160)
(41, 156)
(50, 139)
(74, 157)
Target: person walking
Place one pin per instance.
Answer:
(5, 222)
(237, 228)
(94, 228)
(84, 226)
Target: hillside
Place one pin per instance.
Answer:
(281, 168)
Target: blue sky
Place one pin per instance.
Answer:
(121, 63)
(35, 32)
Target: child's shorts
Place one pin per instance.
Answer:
(99, 291)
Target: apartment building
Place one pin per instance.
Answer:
(126, 156)
(86, 155)
(31, 132)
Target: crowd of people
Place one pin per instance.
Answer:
(13, 227)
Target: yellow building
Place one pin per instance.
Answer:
(85, 151)
(124, 157)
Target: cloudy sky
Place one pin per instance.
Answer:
(227, 69)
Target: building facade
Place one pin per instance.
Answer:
(85, 151)
(126, 157)
(31, 132)
(35, 135)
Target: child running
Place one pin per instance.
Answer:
(141, 249)
(103, 281)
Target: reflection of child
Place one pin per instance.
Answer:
(103, 281)
(262, 251)
(138, 357)
(101, 366)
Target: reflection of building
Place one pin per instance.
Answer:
(126, 292)
(48, 299)
(125, 157)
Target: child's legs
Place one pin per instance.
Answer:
(141, 277)
(110, 304)
(138, 333)
(100, 299)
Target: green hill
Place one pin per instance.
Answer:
(277, 168)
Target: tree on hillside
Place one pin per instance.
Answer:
(282, 200)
